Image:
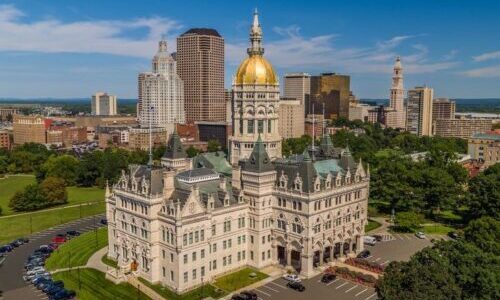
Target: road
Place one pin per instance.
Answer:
(11, 281)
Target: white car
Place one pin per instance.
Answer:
(291, 277)
(35, 270)
(420, 235)
(30, 277)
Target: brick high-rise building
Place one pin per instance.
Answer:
(443, 108)
(200, 64)
(333, 90)
(419, 111)
(30, 129)
(4, 139)
(291, 118)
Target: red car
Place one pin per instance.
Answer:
(58, 239)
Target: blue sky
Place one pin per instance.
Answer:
(68, 48)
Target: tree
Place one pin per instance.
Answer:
(484, 194)
(158, 152)
(425, 276)
(63, 166)
(89, 169)
(4, 164)
(28, 200)
(438, 189)
(54, 191)
(192, 151)
(485, 234)
(409, 221)
(213, 146)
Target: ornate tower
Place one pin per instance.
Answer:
(256, 97)
(398, 116)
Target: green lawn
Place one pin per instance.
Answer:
(94, 286)
(77, 251)
(9, 186)
(199, 293)
(109, 261)
(239, 279)
(436, 229)
(22, 225)
(76, 195)
(371, 225)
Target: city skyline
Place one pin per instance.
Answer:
(104, 49)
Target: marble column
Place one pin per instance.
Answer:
(307, 265)
(288, 257)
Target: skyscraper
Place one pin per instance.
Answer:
(200, 57)
(298, 86)
(395, 114)
(419, 111)
(333, 90)
(256, 102)
(161, 92)
(291, 118)
(103, 104)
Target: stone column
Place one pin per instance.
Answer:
(341, 254)
(331, 252)
(307, 265)
(321, 256)
(360, 246)
(288, 257)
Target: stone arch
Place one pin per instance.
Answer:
(296, 245)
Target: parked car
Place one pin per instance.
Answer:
(53, 246)
(238, 297)
(30, 277)
(291, 277)
(250, 295)
(369, 240)
(72, 233)
(378, 237)
(59, 239)
(52, 290)
(2, 259)
(63, 295)
(364, 254)
(296, 286)
(328, 277)
(43, 283)
(35, 270)
(5, 248)
(39, 280)
(104, 222)
(52, 285)
(420, 235)
(453, 234)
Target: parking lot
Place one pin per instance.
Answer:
(11, 281)
(337, 289)
(399, 247)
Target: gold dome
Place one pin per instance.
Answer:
(256, 70)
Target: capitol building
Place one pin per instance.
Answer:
(190, 220)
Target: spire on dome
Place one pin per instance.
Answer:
(175, 149)
(255, 36)
(162, 44)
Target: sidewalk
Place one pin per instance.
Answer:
(95, 261)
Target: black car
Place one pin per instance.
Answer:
(104, 222)
(72, 233)
(250, 295)
(239, 297)
(378, 237)
(52, 285)
(328, 278)
(5, 248)
(363, 254)
(296, 286)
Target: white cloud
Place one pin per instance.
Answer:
(293, 51)
(486, 72)
(53, 36)
(487, 56)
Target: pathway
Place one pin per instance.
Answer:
(50, 209)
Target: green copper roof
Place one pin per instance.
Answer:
(324, 167)
(214, 160)
(175, 150)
